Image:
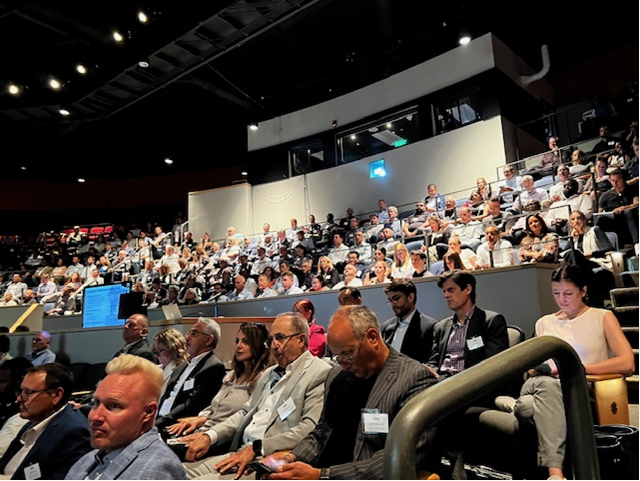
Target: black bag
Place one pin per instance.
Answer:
(617, 446)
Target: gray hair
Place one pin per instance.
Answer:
(299, 324)
(360, 319)
(211, 328)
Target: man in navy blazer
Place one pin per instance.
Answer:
(193, 384)
(56, 435)
(410, 332)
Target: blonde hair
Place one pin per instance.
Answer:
(128, 364)
(407, 258)
(175, 342)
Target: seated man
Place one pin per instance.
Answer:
(284, 407)
(510, 186)
(362, 247)
(556, 191)
(382, 215)
(125, 441)
(46, 287)
(56, 435)
(349, 296)
(134, 334)
(495, 252)
(409, 332)
(288, 284)
(529, 192)
(193, 384)
(338, 253)
(240, 292)
(394, 223)
(17, 287)
(501, 219)
(414, 224)
(622, 202)
(63, 302)
(373, 228)
(559, 211)
(435, 203)
(468, 230)
(419, 264)
(41, 352)
(371, 381)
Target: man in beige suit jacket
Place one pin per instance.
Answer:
(283, 409)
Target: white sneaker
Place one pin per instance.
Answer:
(505, 403)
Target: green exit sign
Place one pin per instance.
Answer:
(400, 143)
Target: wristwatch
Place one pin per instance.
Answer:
(257, 447)
(324, 473)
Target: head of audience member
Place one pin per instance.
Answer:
(432, 190)
(435, 223)
(41, 341)
(459, 288)
(528, 183)
(353, 258)
(400, 255)
(577, 157)
(578, 223)
(170, 346)
(535, 226)
(324, 264)
(239, 283)
(316, 284)
(387, 234)
(349, 296)
(481, 184)
(380, 254)
(12, 373)
(44, 390)
(289, 337)
(452, 261)
(421, 207)
(382, 204)
(28, 295)
(17, 278)
(380, 270)
(374, 219)
(563, 172)
(133, 384)
(300, 251)
(283, 251)
(402, 296)
(508, 172)
(465, 215)
(618, 180)
(493, 205)
(8, 297)
(287, 280)
(603, 131)
(354, 335)
(306, 308)
(262, 253)
(263, 282)
(293, 222)
(330, 218)
(253, 353)
(284, 266)
(353, 223)
(455, 244)
(173, 293)
(553, 143)
(349, 273)
(44, 279)
(418, 260)
(570, 188)
(532, 206)
(202, 337)
(337, 239)
(191, 296)
(136, 328)
(306, 265)
(393, 212)
(492, 235)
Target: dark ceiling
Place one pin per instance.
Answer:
(217, 65)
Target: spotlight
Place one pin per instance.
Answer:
(54, 83)
(144, 63)
(117, 36)
(253, 126)
(64, 112)
(143, 17)
(81, 180)
(81, 69)
(14, 89)
(465, 38)
(168, 161)
(245, 173)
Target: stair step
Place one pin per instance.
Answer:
(632, 262)
(624, 296)
(627, 315)
(630, 279)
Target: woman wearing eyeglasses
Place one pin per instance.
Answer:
(251, 358)
(170, 347)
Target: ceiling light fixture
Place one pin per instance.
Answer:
(81, 180)
(54, 83)
(465, 38)
(64, 112)
(81, 69)
(14, 89)
(245, 173)
(253, 126)
(142, 17)
(168, 161)
(144, 63)
(117, 36)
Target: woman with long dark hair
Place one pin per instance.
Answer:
(540, 244)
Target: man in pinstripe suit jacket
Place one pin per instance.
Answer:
(362, 397)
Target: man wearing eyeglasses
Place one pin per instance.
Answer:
(284, 407)
(56, 435)
(363, 396)
(193, 384)
(41, 354)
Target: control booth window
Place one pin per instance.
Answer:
(379, 136)
(457, 112)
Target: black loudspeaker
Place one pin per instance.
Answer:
(131, 304)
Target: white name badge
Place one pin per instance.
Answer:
(32, 472)
(286, 408)
(188, 384)
(375, 423)
(475, 343)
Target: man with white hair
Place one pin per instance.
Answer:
(529, 192)
(193, 384)
(125, 441)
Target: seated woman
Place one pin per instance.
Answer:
(317, 285)
(57, 274)
(467, 256)
(380, 254)
(317, 333)
(540, 244)
(452, 261)
(251, 358)
(401, 267)
(598, 339)
(327, 271)
(380, 276)
(437, 238)
(170, 348)
(75, 281)
(590, 241)
(601, 183)
(476, 205)
(191, 297)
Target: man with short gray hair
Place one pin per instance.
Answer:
(193, 384)
(284, 407)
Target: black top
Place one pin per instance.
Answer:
(348, 395)
(611, 199)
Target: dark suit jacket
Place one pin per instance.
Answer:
(141, 349)
(63, 442)
(399, 380)
(418, 340)
(489, 325)
(207, 376)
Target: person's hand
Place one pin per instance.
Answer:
(555, 198)
(240, 459)
(279, 458)
(197, 446)
(618, 210)
(296, 470)
(186, 426)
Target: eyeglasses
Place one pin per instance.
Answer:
(395, 299)
(347, 358)
(196, 333)
(157, 352)
(25, 394)
(508, 171)
(279, 338)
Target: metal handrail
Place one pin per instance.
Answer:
(435, 403)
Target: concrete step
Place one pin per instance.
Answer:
(630, 279)
(633, 264)
(627, 315)
(624, 296)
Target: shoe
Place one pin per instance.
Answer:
(505, 403)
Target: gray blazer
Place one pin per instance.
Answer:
(305, 387)
(400, 379)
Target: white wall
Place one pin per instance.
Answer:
(452, 161)
(447, 69)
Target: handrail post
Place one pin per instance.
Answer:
(430, 406)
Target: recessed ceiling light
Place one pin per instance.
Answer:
(168, 161)
(23, 168)
(464, 39)
(81, 180)
(253, 126)
(244, 172)
(55, 84)
(64, 112)
(143, 17)
(143, 63)
(14, 89)
(117, 36)
(81, 69)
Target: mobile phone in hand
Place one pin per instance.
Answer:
(260, 468)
